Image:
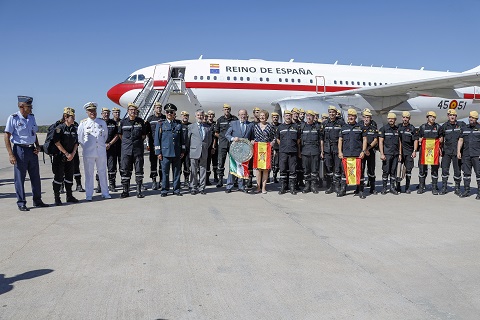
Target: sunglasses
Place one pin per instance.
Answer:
(170, 112)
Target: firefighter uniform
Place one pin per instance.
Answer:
(433, 131)
(62, 168)
(212, 158)
(390, 149)
(112, 131)
(186, 158)
(369, 160)
(275, 158)
(155, 163)
(470, 140)
(333, 164)
(223, 144)
(409, 138)
(451, 133)
(288, 136)
(310, 138)
(118, 144)
(133, 133)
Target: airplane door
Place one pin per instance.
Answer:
(161, 72)
(320, 86)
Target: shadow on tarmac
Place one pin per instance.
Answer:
(6, 284)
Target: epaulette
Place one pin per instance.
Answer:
(14, 115)
(31, 114)
(84, 120)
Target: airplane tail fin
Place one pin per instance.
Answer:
(476, 69)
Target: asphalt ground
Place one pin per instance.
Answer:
(239, 256)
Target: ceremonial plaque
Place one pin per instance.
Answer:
(241, 150)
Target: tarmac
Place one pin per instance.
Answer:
(239, 256)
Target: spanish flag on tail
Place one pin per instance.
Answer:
(353, 170)
(262, 155)
(430, 151)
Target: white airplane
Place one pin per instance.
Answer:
(277, 86)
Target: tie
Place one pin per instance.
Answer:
(200, 129)
(243, 128)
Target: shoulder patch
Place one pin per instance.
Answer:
(58, 130)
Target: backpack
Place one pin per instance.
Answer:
(48, 146)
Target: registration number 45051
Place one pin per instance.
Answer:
(452, 104)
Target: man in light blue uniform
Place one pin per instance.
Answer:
(21, 131)
(170, 149)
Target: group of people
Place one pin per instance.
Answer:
(305, 149)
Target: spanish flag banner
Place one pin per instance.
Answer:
(430, 151)
(262, 155)
(353, 170)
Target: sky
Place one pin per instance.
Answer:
(67, 53)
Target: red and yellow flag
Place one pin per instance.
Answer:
(353, 170)
(430, 151)
(262, 153)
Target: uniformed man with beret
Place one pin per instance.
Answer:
(429, 130)
(132, 132)
(212, 159)
(409, 139)
(390, 151)
(256, 115)
(288, 139)
(368, 162)
(223, 123)
(274, 158)
(301, 115)
(92, 135)
(155, 164)
(170, 149)
(21, 131)
(468, 149)
(295, 115)
(333, 164)
(186, 159)
(311, 137)
(352, 142)
(111, 141)
(65, 139)
(451, 131)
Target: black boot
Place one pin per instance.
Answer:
(79, 187)
(56, 193)
(62, 188)
(186, 182)
(384, 186)
(307, 187)
(98, 189)
(393, 186)
(329, 185)
(361, 194)
(139, 189)
(70, 197)
(444, 187)
(372, 186)
(342, 189)
(126, 189)
(407, 185)
(111, 183)
(215, 176)
(275, 180)
(466, 189)
(154, 183)
(292, 184)
(320, 183)
(398, 186)
(250, 182)
(457, 188)
(314, 186)
(435, 186)
(478, 193)
(207, 180)
(421, 185)
(283, 186)
(220, 181)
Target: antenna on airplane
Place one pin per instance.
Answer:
(422, 68)
(335, 63)
(201, 56)
(291, 60)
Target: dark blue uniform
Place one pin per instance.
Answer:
(408, 135)
(435, 132)
(333, 164)
(155, 165)
(288, 134)
(470, 156)
(451, 133)
(111, 153)
(352, 146)
(368, 162)
(274, 158)
(223, 123)
(310, 137)
(169, 142)
(391, 151)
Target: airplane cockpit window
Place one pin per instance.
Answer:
(132, 78)
(140, 77)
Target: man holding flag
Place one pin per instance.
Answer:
(352, 148)
(430, 137)
(238, 129)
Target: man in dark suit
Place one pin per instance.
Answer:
(238, 129)
(198, 143)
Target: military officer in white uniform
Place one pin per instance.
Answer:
(92, 135)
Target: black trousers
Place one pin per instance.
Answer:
(448, 159)
(128, 162)
(222, 156)
(155, 164)
(212, 161)
(62, 169)
(76, 166)
(112, 159)
(467, 164)
(310, 167)
(288, 165)
(369, 163)
(389, 167)
(275, 161)
(333, 166)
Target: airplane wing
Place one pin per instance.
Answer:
(385, 97)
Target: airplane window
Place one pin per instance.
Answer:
(248, 78)
(369, 83)
(299, 81)
(380, 83)
(341, 82)
(133, 78)
(228, 78)
(286, 80)
(335, 82)
(208, 77)
(279, 79)
(195, 78)
(364, 83)
(201, 77)
(241, 78)
(293, 80)
(261, 79)
(234, 78)
(358, 83)
(375, 84)
(311, 81)
(353, 83)
(267, 79)
(141, 77)
(214, 77)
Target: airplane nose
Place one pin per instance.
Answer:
(115, 93)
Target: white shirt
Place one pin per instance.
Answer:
(91, 136)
